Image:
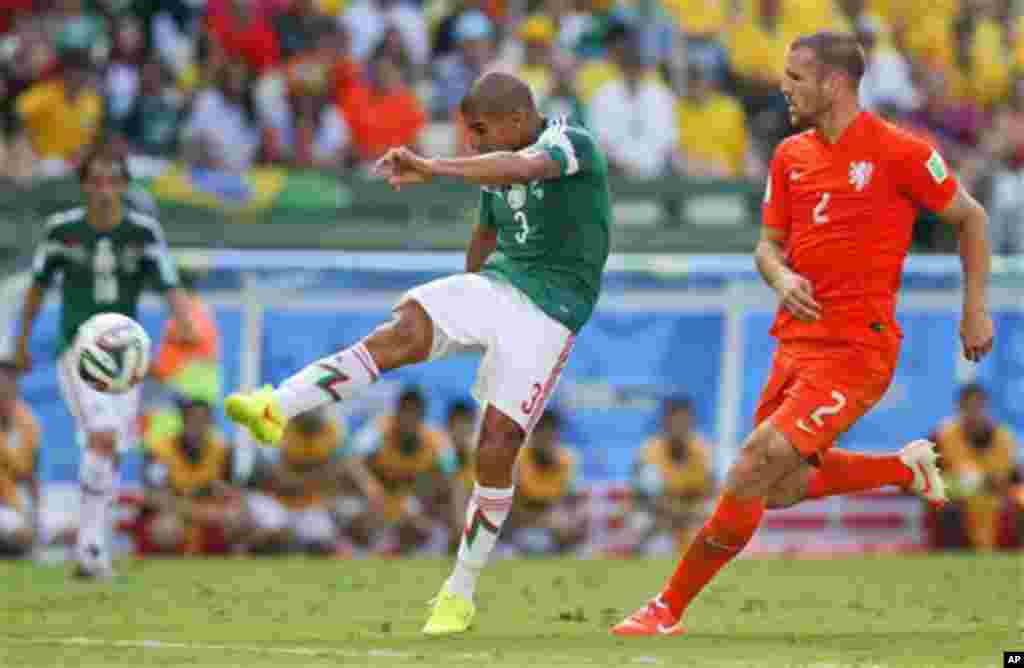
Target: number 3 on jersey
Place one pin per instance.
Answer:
(819, 209)
(524, 231)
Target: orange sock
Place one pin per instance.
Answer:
(845, 472)
(722, 537)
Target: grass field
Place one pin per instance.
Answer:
(873, 611)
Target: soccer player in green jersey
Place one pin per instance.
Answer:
(533, 275)
(106, 255)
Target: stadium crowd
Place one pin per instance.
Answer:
(678, 87)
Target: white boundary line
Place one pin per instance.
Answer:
(382, 653)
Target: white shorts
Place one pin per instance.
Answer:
(524, 349)
(11, 520)
(312, 525)
(96, 411)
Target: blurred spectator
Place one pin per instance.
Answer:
(712, 132)
(703, 24)
(152, 123)
(59, 118)
(461, 425)
(368, 20)
(474, 35)
(174, 26)
(956, 123)
(672, 479)
(888, 78)
(593, 75)
(310, 129)
(191, 370)
(445, 41)
(757, 45)
(19, 468)
(451, 501)
(15, 160)
(191, 504)
(80, 30)
(383, 111)
(978, 456)
(547, 514)
(1005, 148)
(123, 76)
(221, 134)
(298, 28)
(303, 476)
(981, 45)
(537, 34)
(629, 117)
(242, 28)
(398, 463)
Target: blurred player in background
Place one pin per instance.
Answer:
(191, 503)
(19, 468)
(672, 478)
(399, 464)
(547, 515)
(839, 207)
(302, 478)
(106, 255)
(979, 456)
(533, 276)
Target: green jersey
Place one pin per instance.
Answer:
(553, 235)
(101, 271)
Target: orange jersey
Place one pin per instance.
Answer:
(848, 211)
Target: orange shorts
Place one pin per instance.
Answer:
(814, 394)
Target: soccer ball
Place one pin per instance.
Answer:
(113, 353)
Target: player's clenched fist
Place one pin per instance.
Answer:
(402, 166)
(797, 296)
(976, 333)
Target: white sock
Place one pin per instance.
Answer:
(97, 481)
(329, 380)
(486, 512)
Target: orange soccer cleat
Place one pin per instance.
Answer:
(654, 619)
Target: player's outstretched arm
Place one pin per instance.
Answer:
(29, 311)
(971, 222)
(402, 166)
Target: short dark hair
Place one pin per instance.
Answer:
(412, 394)
(676, 402)
(101, 150)
(971, 390)
(550, 419)
(460, 407)
(496, 94)
(8, 365)
(836, 50)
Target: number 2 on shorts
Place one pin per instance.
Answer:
(821, 412)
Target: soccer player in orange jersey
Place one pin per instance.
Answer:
(839, 206)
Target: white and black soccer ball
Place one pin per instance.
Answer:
(113, 352)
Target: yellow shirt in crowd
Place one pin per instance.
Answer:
(714, 130)
(56, 126)
(19, 446)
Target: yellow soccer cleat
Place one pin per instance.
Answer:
(451, 613)
(259, 413)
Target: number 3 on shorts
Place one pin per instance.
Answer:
(524, 232)
(821, 412)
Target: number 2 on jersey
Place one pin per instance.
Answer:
(819, 209)
(524, 231)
